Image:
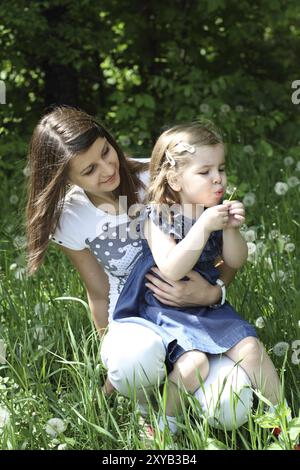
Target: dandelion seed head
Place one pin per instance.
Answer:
(289, 247)
(281, 188)
(280, 348)
(260, 322)
(288, 161)
(13, 199)
(248, 149)
(249, 199)
(225, 108)
(250, 236)
(55, 426)
(204, 108)
(293, 181)
(251, 248)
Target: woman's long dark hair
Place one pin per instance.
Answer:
(60, 135)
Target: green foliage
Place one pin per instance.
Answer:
(141, 66)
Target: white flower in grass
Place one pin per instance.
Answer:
(13, 199)
(288, 161)
(55, 426)
(281, 348)
(249, 199)
(289, 247)
(13, 266)
(225, 108)
(204, 108)
(251, 248)
(293, 181)
(274, 234)
(4, 417)
(260, 322)
(250, 235)
(2, 351)
(281, 188)
(248, 149)
(26, 171)
(62, 447)
(41, 308)
(280, 275)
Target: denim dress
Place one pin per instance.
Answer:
(182, 329)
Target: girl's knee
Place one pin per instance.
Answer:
(193, 364)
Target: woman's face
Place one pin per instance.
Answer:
(96, 171)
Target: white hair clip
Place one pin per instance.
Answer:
(169, 158)
(185, 147)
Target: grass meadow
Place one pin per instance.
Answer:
(49, 351)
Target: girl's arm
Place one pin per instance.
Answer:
(235, 250)
(176, 260)
(96, 283)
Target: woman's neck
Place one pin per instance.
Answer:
(106, 202)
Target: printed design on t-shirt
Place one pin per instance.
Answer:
(117, 248)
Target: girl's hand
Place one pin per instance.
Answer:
(215, 218)
(236, 213)
(195, 291)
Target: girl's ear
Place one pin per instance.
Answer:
(173, 180)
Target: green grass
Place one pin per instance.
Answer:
(53, 367)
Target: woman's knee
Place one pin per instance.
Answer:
(226, 397)
(134, 356)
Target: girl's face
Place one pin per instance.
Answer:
(96, 171)
(203, 181)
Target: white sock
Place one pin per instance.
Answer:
(171, 423)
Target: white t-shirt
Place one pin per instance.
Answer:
(111, 238)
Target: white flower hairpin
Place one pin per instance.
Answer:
(185, 147)
(169, 158)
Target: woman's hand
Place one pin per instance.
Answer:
(195, 291)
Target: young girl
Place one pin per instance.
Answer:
(187, 226)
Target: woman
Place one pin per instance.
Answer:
(94, 230)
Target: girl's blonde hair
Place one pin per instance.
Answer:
(168, 155)
(60, 135)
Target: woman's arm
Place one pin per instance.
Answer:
(195, 291)
(96, 283)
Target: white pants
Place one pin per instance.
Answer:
(134, 357)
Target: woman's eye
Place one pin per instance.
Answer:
(106, 151)
(89, 172)
(205, 173)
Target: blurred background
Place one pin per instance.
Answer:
(140, 66)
